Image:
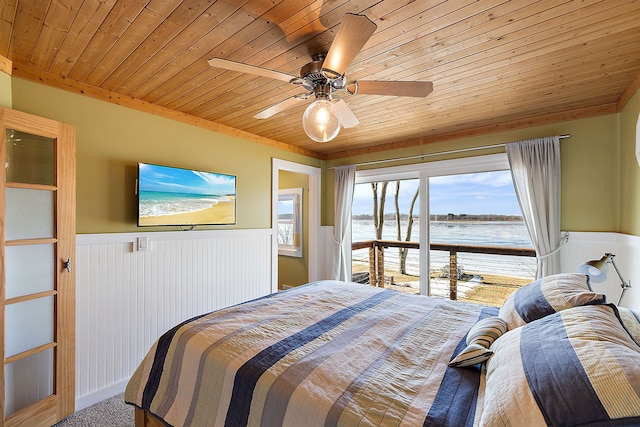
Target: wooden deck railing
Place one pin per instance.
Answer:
(377, 247)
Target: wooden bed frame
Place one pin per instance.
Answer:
(147, 419)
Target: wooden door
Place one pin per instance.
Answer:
(37, 251)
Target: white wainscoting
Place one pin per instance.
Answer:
(127, 298)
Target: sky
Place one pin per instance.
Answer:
(473, 193)
(175, 180)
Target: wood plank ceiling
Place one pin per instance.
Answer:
(494, 64)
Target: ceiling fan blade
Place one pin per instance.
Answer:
(344, 114)
(353, 34)
(250, 69)
(277, 108)
(370, 87)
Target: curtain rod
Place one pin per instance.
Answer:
(419, 156)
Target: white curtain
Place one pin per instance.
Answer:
(535, 168)
(343, 187)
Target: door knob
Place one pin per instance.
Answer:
(67, 265)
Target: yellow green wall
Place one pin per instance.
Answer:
(5, 90)
(111, 139)
(629, 181)
(294, 271)
(600, 175)
(589, 192)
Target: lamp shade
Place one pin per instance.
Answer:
(319, 122)
(595, 269)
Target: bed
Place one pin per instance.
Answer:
(343, 354)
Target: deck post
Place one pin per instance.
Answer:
(372, 264)
(453, 275)
(380, 266)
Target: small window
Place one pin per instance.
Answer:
(290, 222)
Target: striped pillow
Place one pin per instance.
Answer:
(575, 367)
(547, 296)
(479, 339)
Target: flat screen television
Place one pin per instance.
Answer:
(184, 197)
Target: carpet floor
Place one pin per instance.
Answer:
(112, 412)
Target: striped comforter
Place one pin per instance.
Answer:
(324, 354)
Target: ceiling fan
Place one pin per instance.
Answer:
(324, 78)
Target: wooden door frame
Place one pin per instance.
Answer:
(62, 402)
(314, 174)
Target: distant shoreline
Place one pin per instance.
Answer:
(448, 218)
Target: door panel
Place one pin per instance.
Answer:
(37, 211)
(29, 269)
(29, 214)
(28, 381)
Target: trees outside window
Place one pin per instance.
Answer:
(466, 202)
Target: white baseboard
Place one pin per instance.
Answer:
(102, 394)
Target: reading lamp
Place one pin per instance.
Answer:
(596, 270)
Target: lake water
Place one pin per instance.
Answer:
(507, 234)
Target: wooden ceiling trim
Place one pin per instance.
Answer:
(48, 79)
(629, 92)
(6, 66)
(431, 125)
(436, 128)
(506, 126)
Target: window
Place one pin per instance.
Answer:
(478, 216)
(473, 218)
(388, 211)
(290, 222)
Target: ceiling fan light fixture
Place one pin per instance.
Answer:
(319, 122)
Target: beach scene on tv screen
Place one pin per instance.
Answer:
(175, 196)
